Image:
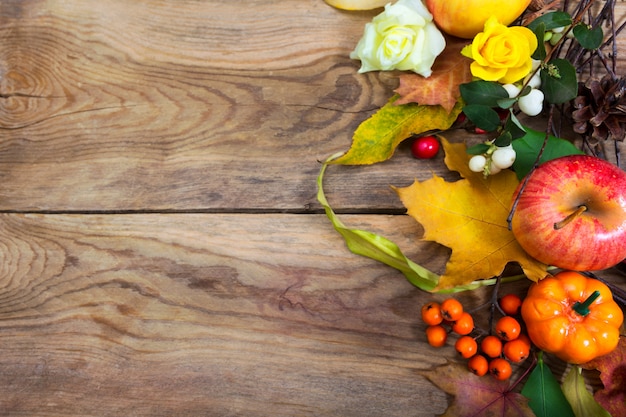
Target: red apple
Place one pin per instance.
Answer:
(572, 213)
(466, 18)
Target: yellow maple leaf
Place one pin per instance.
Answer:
(469, 216)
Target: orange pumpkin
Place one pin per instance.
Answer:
(572, 316)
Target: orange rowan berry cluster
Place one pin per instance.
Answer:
(487, 352)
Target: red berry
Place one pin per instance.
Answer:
(480, 131)
(431, 314)
(503, 114)
(478, 364)
(508, 328)
(436, 335)
(491, 346)
(500, 368)
(466, 346)
(464, 324)
(425, 147)
(451, 309)
(510, 304)
(516, 350)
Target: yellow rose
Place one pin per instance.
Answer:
(501, 53)
(402, 37)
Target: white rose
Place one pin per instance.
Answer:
(402, 37)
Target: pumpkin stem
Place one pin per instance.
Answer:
(583, 308)
(580, 210)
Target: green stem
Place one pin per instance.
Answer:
(583, 308)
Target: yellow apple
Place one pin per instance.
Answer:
(358, 4)
(466, 18)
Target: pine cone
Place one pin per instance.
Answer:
(538, 8)
(536, 5)
(599, 111)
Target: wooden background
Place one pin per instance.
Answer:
(162, 252)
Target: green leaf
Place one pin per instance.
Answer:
(582, 401)
(507, 103)
(374, 246)
(540, 32)
(486, 93)
(513, 126)
(551, 21)
(587, 37)
(376, 139)
(559, 82)
(517, 123)
(504, 139)
(544, 393)
(527, 149)
(482, 116)
(478, 149)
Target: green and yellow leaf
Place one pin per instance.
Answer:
(377, 138)
(371, 245)
(582, 401)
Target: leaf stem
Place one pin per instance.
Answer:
(481, 283)
(509, 219)
(570, 217)
(583, 308)
(527, 371)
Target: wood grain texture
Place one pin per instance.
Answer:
(212, 314)
(111, 100)
(152, 156)
(161, 315)
(186, 105)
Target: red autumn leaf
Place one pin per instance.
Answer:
(477, 396)
(450, 70)
(612, 369)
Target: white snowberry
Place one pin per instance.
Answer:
(555, 38)
(532, 103)
(533, 80)
(493, 168)
(503, 157)
(512, 89)
(477, 163)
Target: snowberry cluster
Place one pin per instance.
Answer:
(495, 159)
(486, 351)
(531, 102)
(555, 35)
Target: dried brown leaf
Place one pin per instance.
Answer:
(612, 369)
(450, 70)
(477, 396)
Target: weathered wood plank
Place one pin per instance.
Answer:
(174, 105)
(185, 105)
(210, 106)
(209, 314)
(161, 315)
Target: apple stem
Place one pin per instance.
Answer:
(583, 308)
(580, 210)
